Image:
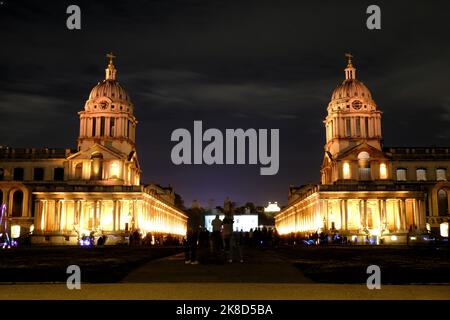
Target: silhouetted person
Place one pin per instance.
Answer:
(235, 247)
(190, 249)
(216, 236)
(227, 232)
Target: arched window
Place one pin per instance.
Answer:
(17, 204)
(96, 166)
(94, 127)
(346, 170)
(383, 171)
(364, 165)
(348, 127)
(79, 171)
(102, 126)
(442, 202)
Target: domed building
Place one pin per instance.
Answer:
(59, 195)
(369, 193)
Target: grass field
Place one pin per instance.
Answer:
(399, 265)
(98, 264)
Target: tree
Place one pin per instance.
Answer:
(179, 202)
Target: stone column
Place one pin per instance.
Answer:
(57, 222)
(405, 227)
(107, 126)
(361, 215)
(346, 213)
(365, 214)
(95, 214)
(114, 214)
(62, 215)
(415, 214)
(119, 212)
(380, 214)
(385, 218)
(100, 205)
(421, 214)
(448, 201)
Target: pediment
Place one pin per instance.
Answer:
(353, 152)
(107, 153)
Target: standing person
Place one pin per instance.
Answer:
(216, 238)
(203, 245)
(236, 246)
(190, 249)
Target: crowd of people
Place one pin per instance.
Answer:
(224, 243)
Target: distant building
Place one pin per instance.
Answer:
(366, 189)
(272, 208)
(243, 222)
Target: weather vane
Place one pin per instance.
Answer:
(349, 56)
(110, 56)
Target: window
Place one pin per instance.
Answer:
(346, 170)
(38, 174)
(58, 174)
(2, 174)
(364, 166)
(348, 124)
(18, 174)
(102, 126)
(79, 171)
(441, 175)
(17, 203)
(358, 126)
(442, 202)
(421, 174)
(111, 127)
(96, 166)
(401, 174)
(383, 171)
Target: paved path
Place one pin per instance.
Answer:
(222, 291)
(260, 266)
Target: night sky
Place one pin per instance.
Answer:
(231, 64)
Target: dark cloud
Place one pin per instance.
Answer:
(249, 64)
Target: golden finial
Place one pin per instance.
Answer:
(110, 56)
(349, 56)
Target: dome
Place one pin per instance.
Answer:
(109, 95)
(351, 88)
(110, 89)
(352, 92)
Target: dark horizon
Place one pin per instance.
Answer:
(249, 64)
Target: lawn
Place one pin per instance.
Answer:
(399, 265)
(98, 264)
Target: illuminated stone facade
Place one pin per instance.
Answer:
(367, 190)
(62, 194)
